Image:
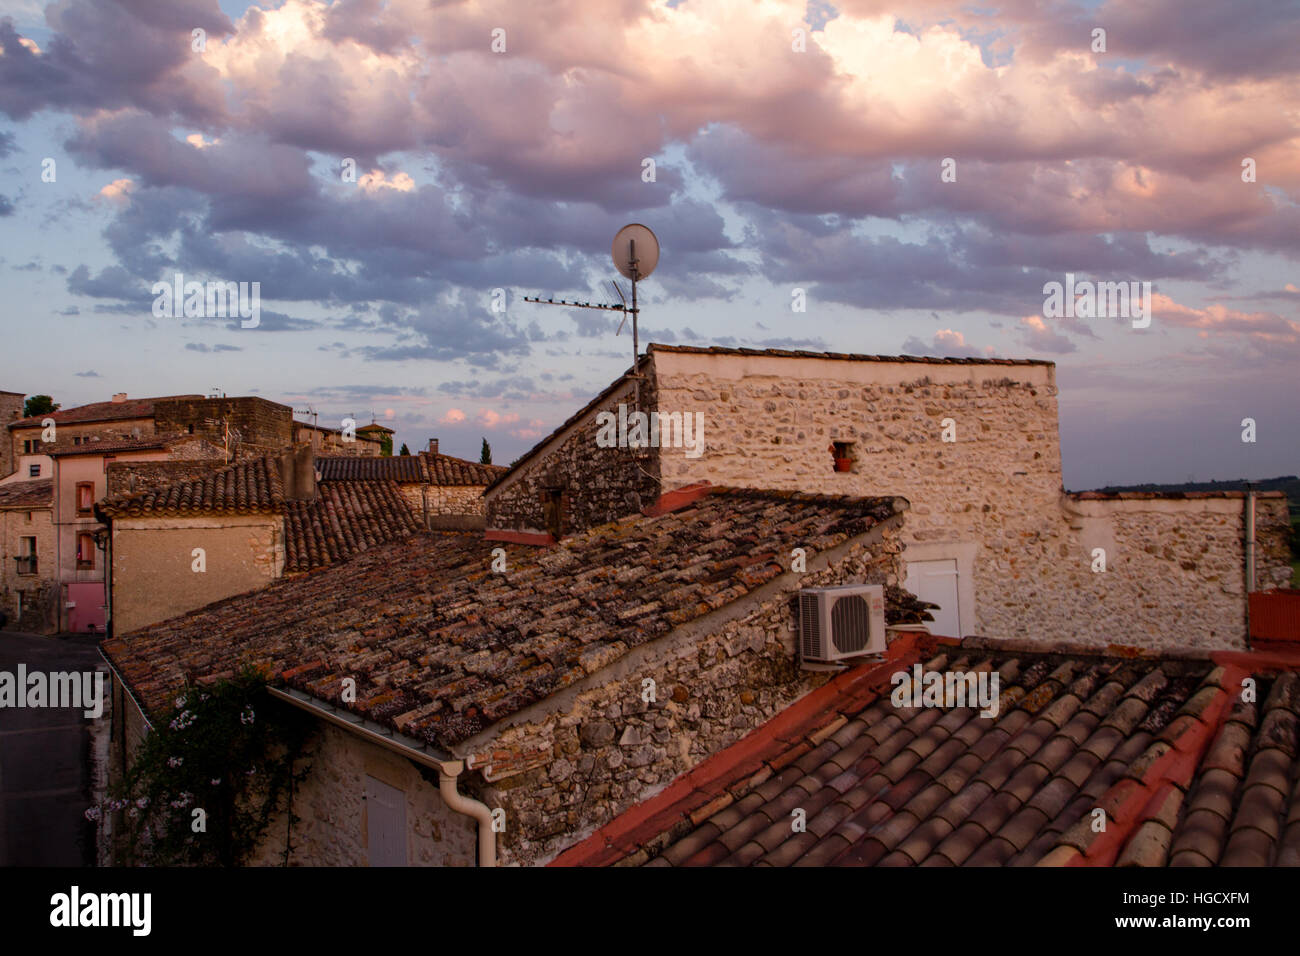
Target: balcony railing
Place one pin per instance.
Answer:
(26, 563)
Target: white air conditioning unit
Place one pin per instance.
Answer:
(840, 622)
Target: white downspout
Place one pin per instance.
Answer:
(448, 771)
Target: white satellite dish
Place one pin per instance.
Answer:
(637, 242)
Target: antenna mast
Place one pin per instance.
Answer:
(633, 266)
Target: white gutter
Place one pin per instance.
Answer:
(126, 689)
(448, 768)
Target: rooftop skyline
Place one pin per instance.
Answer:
(781, 152)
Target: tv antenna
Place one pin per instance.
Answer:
(636, 253)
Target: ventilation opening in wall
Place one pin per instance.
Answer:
(842, 455)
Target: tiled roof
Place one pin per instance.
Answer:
(1186, 772)
(789, 353)
(441, 647)
(27, 494)
(346, 517)
(446, 470)
(252, 486)
(107, 446)
(424, 467)
(344, 468)
(100, 412)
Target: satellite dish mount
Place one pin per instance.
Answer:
(636, 253)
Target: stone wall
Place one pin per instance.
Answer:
(36, 594)
(991, 500)
(598, 484)
(597, 749)
(769, 422)
(1174, 569)
(261, 425)
(331, 807)
(11, 409)
(133, 477)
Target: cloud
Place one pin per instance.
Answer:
(454, 416)
(88, 374)
(947, 343)
(1040, 338)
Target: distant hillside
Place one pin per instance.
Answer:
(1290, 484)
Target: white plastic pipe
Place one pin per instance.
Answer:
(448, 771)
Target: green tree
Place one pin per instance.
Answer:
(39, 405)
(485, 456)
(386, 446)
(405, 450)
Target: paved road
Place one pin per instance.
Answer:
(45, 760)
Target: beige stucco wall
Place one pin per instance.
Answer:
(331, 807)
(153, 576)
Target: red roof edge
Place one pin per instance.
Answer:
(520, 537)
(639, 824)
(677, 499)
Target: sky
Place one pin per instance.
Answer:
(397, 175)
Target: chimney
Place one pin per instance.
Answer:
(433, 446)
(298, 472)
(119, 398)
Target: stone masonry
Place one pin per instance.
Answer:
(581, 758)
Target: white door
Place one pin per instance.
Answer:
(385, 823)
(936, 582)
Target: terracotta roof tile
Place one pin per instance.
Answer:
(252, 486)
(393, 468)
(1187, 775)
(415, 617)
(27, 494)
(101, 411)
(446, 470)
(345, 518)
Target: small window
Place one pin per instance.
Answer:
(77, 440)
(29, 446)
(842, 452)
(85, 497)
(190, 428)
(85, 552)
(34, 471)
(26, 555)
(553, 511)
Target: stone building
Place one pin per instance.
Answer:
(445, 492)
(330, 441)
(11, 410)
(178, 546)
(29, 584)
(527, 691)
(120, 419)
(80, 481)
(378, 433)
(972, 444)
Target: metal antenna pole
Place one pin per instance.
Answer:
(636, 341)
